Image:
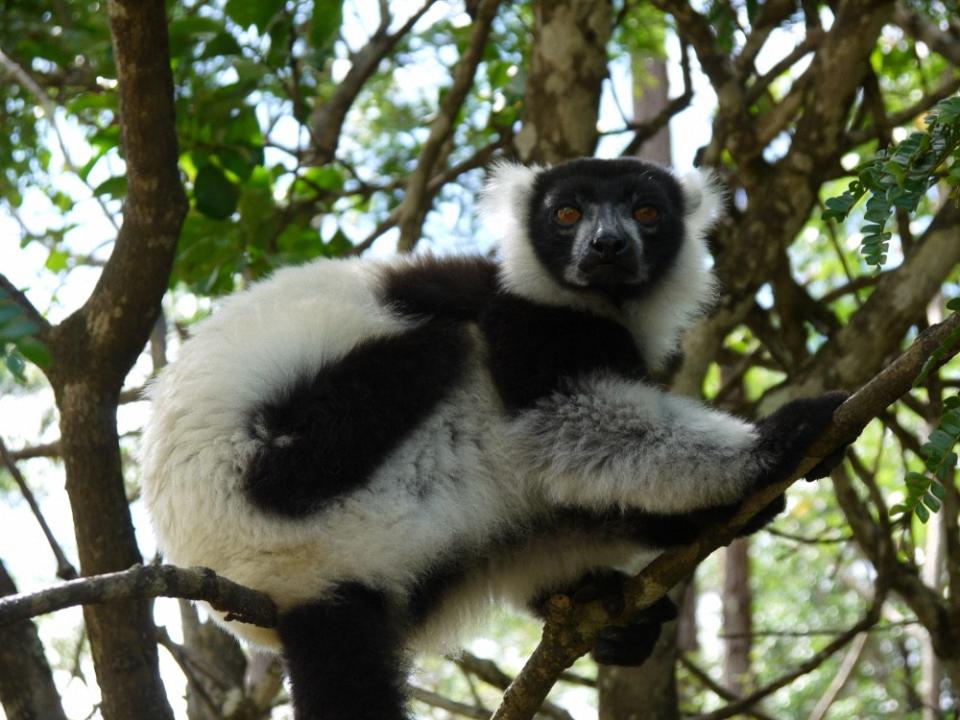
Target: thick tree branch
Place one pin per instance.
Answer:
(695, 28)
(723, 693)
(876, 329)
(806, 46)
(114, 323)
(829, 84)
(416, 201)
(571, 630)
(922, 29)
(146, 581)
(328, 118)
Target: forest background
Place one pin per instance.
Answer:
(156, 155)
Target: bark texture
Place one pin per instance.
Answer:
(567, 67)
(27, 691)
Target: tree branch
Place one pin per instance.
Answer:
(328, 118)
(65, 569)
(645, 130)
(571, 630)
(416, 201)
(723, 693)
(146, 581)
(812, 663)
(922, 29)
(116, 319)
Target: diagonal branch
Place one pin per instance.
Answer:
(328, 118)
(416, 202)
(812, 663)
(924, 30)
(570, 630)
(65, 569)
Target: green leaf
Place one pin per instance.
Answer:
(35, 351)
(325, 23)
(114, 187)
(931, 502)
(57, 261)
(253, 12)
(215, 194)
(18, 328)
(922, 513)
(15, 365)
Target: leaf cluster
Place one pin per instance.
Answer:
(17, 338)
(925, 491)
(900, 176)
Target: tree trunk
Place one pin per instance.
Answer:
(650, 96)
(737, 616)
(94, 349)
(27, 691)
(648, 692)
(567, 66)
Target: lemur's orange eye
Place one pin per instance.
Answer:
(568, 215)
(646, 214)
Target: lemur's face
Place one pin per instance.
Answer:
(613, 227)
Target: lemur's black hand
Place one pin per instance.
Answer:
(630, 645)
(787, 434)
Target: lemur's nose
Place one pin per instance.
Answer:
(608, 246)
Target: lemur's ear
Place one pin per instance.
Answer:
(703, 201)
(505, 193)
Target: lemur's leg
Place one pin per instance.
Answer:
(344, 657)
(610, 443)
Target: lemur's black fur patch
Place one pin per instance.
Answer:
(320, 439)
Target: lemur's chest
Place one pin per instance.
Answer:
(535, 350)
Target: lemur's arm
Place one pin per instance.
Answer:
(614, 443)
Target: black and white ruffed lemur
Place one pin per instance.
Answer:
(387, 447)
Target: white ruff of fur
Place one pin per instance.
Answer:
(660, 318)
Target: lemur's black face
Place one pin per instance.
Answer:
(611, 226)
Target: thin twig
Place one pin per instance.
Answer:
(723, 693)
(65, 569)
(445, 703)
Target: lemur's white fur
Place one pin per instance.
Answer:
(611, 442)
(659, 318)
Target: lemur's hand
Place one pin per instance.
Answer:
(787, 434)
